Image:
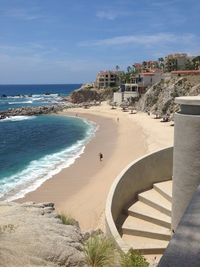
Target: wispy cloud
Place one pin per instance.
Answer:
(111, 14)
(28, 49)
(21, 14)
(145, 40)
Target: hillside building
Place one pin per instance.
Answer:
(108, 78)
(128, 92)
(177, 61)
(147, 79)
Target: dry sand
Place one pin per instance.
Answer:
(82, 188)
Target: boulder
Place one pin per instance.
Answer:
(33, 235)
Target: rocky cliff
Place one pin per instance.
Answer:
(160, 97)
(91, 94)
(33, 235)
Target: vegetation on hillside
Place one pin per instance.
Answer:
(100, 251)
(133, 259)
(67, 219)
(160, 97)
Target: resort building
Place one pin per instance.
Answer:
(138, 67)
(108, 78)
(177, 61)
(146, 66)
(128, 92)
(147, 79)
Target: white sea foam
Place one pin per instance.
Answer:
(45, 95)
(15, 97)
(18, 118)
(38, 171)
(20, 102)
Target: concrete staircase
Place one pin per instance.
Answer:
(147, 227)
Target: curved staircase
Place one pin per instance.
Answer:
(147, 227)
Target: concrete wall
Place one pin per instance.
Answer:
(128, 95)
(149, 80)
(117, 98)
(183, 249)
(136, 178)
(186, 171)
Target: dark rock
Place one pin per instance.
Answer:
(30, 111)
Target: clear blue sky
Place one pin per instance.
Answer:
(68, 41)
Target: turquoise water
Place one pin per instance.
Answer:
(33, 149)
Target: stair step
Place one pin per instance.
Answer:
(145, 245)
(142, 211)
(165, 189)
(154, 259)
(136, 226)
(156, 200)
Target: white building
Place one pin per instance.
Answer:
(127, 92)
(147, 79)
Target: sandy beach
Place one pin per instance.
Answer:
(81, 189)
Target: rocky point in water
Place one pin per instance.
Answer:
(30, 111)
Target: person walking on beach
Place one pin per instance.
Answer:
(100, 156)
(117, 119)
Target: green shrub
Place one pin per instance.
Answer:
(133, 259)
(99, 251)
(67, 219)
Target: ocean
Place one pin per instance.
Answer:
(34, 148)
(14, 96)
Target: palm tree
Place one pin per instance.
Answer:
(144, 64)
(117, 67)
(161, 62)
(189, 65)
(122, 77)
(196, 62)
(128, 69)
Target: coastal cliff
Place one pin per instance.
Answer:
(33, 235)
(160, 97)
(92, 94)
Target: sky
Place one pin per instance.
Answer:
(69, 41)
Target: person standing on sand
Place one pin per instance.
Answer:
(117, 119)
(100, 156)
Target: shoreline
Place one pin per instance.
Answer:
(81, 189)
(67, 157)
(73, 188)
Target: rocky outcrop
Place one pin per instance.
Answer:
(84, 95)
(33, 235)
(160, 97)
(29, 111)
(88, 95)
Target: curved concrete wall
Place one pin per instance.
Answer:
(136, 178)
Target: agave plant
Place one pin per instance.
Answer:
(99, 251)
